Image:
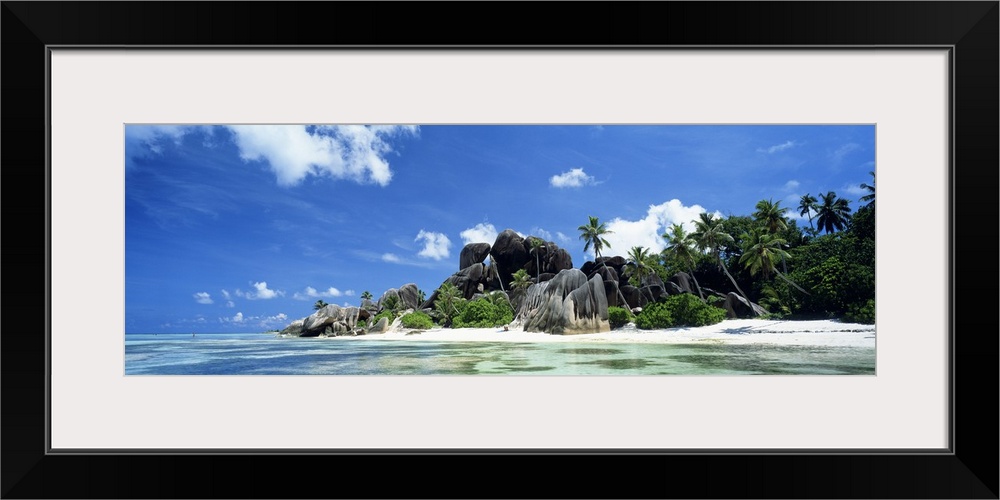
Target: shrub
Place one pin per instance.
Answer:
(689, 310)
(417, 319)
(654, 316)
(858, 313)
(679, 310)
(618, 316)
(389, 315)
(482, 313)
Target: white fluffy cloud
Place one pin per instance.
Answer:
(646, 232)
(312, 293)
(391, 257)
(436, 245)
(483, 232)
(262, 292)
(574, 178)
(203, 298)
(778, 147)
(238, 318)
(352, 152)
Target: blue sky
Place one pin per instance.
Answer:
(243, 228)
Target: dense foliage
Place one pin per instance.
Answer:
(679, 310)
(653, 316)
(484, 313)
(417, 320)
(822, 270)
(619, 316)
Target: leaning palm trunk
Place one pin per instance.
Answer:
(724, 268)
(496, 271)
(696, 285)
(789, 281)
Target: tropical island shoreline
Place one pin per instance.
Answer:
(820, 333)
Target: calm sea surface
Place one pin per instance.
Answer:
(265, 354)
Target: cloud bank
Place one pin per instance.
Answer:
(293, 152)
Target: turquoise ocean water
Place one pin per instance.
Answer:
(266, 354)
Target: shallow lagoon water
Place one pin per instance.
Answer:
(264, 354)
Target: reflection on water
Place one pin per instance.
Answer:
(260, 354)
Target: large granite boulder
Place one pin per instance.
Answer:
(683, 282)
(509, 255)
(409, 294)
(331, 318)
(738, 307)
(606, 273)
(567, 304)
(617, 262)
(611, 293)
(473, 253)
(391, 294)
(293, 329)
(469, 281)
(633, 296)
(381, 326)
(556, 259)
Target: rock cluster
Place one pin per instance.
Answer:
(561, 299)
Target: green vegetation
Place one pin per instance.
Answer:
(826, 271)
(319, 305)
(417, 320)
(448, 302)
(654, 316)
(388, 315)
(861, 313)
(484, 312)
(679, 310)
(619, 316)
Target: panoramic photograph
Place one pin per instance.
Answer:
(499, 250)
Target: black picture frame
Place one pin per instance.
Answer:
(969, 471)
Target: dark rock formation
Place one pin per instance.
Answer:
(330, 320)
(409, 294)
(473, 253)
(616, 262)
(509, 255)
(469, 281)
(611, 293)
(738, 307)
(392, 292)
(633, 296)
(683, 282)
(546, 276)
(567, 304)
(606, 273)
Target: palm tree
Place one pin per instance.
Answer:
(537, 245)
(681, 246)
(761, 251)
(870, 197)
(447, 301)
(832, 212)
(319, 305)
(772, 215)
(807, 207)
(708, 235)
(593, 234)
(637, 258)
(366, 295)
(519, 285)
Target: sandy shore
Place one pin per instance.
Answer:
(734, 331)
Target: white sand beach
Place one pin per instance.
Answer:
(735, 331)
